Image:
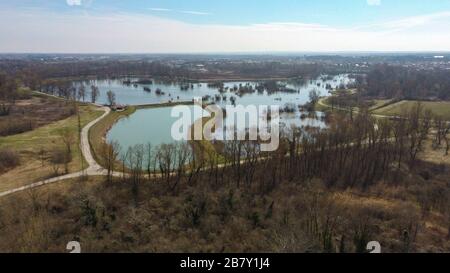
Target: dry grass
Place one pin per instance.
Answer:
(441, 108)
(434, 154)
(45, 138)
(234, 220)
(34, 112)
(379, 104)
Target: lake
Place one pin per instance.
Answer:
(136, 95)
(153, 125)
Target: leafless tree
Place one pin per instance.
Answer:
(135, 159)
(111, 98)
(94, 93)
(110, 153)
(82, 92)
(68, 139)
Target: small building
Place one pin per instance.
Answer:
(119, 107)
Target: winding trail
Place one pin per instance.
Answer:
(323, 104)
(93, 169)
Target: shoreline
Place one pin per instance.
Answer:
(211, 79)
(97, 136)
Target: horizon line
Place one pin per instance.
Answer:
(235, 52)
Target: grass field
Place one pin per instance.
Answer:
(379, 104)
(437, 108)
(45, 138)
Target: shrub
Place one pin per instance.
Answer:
(16, 127)
(60, 156)
(4, 110)
(8, 159)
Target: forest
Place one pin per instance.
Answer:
(396, 82)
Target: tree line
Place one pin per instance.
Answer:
(389, 81)
(354, 151)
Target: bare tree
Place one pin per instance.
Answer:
(135, 159)
(183, 156)
(68, 139)
(166, 157)
(8, 93)
(42, 155)
(111, 98)
(94, 93)
(446, 138)
(419, 122)
(110, 153)
(82, 92)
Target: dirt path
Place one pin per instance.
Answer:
(93, 169)
(322, 103)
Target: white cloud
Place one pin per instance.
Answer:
(192, 12)
(39, 31)
(159, 9)
(373, 2)
(79, 3)
(195, 12)
(73, 2)
(416, 21)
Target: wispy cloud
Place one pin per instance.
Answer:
(406, 23)
(159, 9)
(192, 12)
(43, 32)
(415, 21)
(73, 2)
(79, 3)
(195, 12)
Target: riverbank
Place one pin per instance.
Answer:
(97, 134)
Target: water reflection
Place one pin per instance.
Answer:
(134, 91)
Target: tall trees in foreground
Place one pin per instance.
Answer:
(354, 152)
(110, 153)
(442, 131)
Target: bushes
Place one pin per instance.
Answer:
(17, 126)
(195, 208)
(4, 109)
(8, 159)
(60, 156)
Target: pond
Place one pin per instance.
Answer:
(153, 125)
(145, 126)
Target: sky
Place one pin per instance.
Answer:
(223, 26)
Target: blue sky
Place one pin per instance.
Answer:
(374, 25)
(241, 12)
